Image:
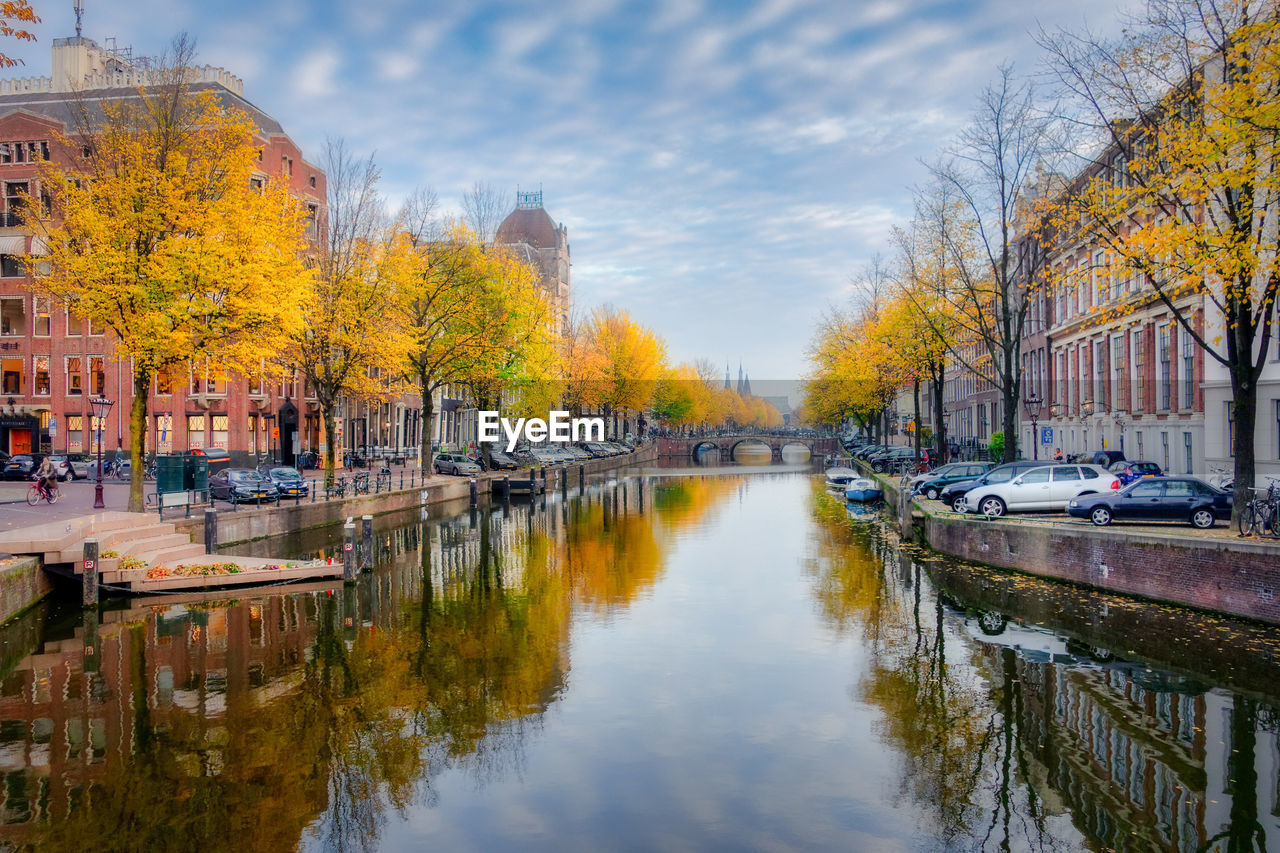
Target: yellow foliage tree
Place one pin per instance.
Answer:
(626, 361)
(157, 235)
(13, 14)
(1186, 198)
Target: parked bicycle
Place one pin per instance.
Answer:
(1262, 513)
(39, 491)
(360, 484)
(1222, 478)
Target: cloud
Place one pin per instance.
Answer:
(314, 75)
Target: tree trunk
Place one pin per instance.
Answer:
(939, 422)
(1245, 409)
(1011, 421)
(428, 411)
(137, 439)
(331, 443)
(915, 401)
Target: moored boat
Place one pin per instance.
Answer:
(863, 489)
(840, 476)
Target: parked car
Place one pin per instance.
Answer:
(953, 495)
(931, 485)
(239, 485)
(891, 459)
(288, 481)
(21, 466)
(1046, 487)
(501, 461)
(62, 464)
(1184, 499)
(1128, 472)
(454, 463)
(869, 449)
(1105, 458)
(82, 466)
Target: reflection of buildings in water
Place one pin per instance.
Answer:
(70, 714)
(1140, 767)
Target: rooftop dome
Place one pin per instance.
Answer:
(528, 225)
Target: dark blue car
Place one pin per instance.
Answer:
(1131, 471)
(1184, 499)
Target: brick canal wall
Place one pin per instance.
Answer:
(1236, 576)
(22, 584)
(245, 525)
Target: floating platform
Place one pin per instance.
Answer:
(138, 554)
(520, 487)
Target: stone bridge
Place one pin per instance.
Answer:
(685, 448)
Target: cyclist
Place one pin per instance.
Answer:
(47, 477)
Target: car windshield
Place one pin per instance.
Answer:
(1147, 468)
(286, 473)
(245, 476)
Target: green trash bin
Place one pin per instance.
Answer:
(169, 474)
(196, 473)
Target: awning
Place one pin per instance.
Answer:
(39, 246)
(13, 244)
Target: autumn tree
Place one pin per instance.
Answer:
(337, 349)
(465, 310)
(1185, 199)
(157, 235)
(14, 14)
(628, 360)
(484, 206)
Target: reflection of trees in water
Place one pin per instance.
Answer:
(956, 725)
(1000, 746)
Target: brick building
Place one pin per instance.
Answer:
(52, 362)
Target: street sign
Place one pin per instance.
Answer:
(53, 426)
(1046, 435)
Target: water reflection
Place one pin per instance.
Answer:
(1014, 736)
(732, 653)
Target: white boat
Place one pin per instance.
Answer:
(840, 476)
(863, 489)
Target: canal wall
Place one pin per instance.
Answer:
(22, 584)
(1235, 576)
(245, 525)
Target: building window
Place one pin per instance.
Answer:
(1186, 453)
(1165, 378)
(164, 433)
(40, 307)
(75, 433)
(15, 199)
(312, 212)
(195, 432)
(13, 317)
(1139, 371)
(253, 433)
(75, 326)
(312, 182)
(97, 375)
(11, 375)
(1099, 373)
(42, 376)
(11, 267)
(1117, 373)
(75, 374)
(1188, 371)
(164, 381)
(1231, 429)
(219, 437)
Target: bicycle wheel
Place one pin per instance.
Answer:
(33, 496)
(53, 496)
(1246, 521)
(1272, 527)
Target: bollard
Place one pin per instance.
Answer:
(582, 476)
(544, 478)
(366, 542)
(402, 480)
(471, 487)
(563, 477)
(211, 531)
(533, 483)
(506, 487)
(349, 552)
(89, 580)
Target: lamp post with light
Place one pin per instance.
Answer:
(100, 408)
(1033, 404)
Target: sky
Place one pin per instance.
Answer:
(724, 169)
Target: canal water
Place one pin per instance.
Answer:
(702, 659)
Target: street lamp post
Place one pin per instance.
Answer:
(1033, 404)
(100, 407)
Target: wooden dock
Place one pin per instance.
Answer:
(138, 554)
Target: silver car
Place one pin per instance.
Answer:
(454, 463)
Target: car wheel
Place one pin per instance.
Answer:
(931, 493)
(1202, 519)
(992, 507)
(957, 503)
(1100, 516)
